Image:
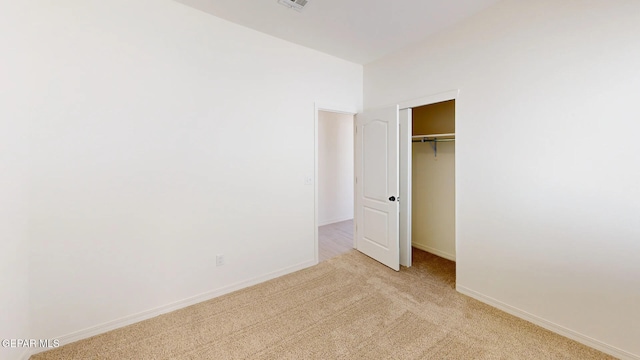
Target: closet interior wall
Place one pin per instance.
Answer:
(433, 181)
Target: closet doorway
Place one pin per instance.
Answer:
(433, 179)
(427, 176)
(335, 183)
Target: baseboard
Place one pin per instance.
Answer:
(132, 319)
(333, 221)
(26, 354)
(434, 251)
(558, 329)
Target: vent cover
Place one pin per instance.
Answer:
(297, 5)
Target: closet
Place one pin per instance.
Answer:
(433, 179)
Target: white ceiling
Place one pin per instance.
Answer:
(360, 31)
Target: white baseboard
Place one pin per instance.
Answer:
(558, 329)
(332, 221)
(132, 319)
(26, 354)
(434, 251)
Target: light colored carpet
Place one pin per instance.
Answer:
(349, 307)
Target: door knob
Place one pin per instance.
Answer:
(393, 198)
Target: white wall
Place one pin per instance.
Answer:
(14, 171)
(163, 136)
(547, 164)
(335, 167)
(14, 241)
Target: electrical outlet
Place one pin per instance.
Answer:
(219, 260)
(308, 180)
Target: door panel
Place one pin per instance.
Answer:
(376, 227)
(377, 185)
(375, 134)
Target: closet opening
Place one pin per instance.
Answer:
(432, 177)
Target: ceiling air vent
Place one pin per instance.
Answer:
(297, 5)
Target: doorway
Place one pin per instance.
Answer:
(433, 179)
(427, 176)
(334, 183)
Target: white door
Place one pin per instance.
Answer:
(377, 185)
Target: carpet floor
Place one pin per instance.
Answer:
(349, 307)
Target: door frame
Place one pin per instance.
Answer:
(335, 108)
(405, 170)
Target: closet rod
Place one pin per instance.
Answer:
(433, 140)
